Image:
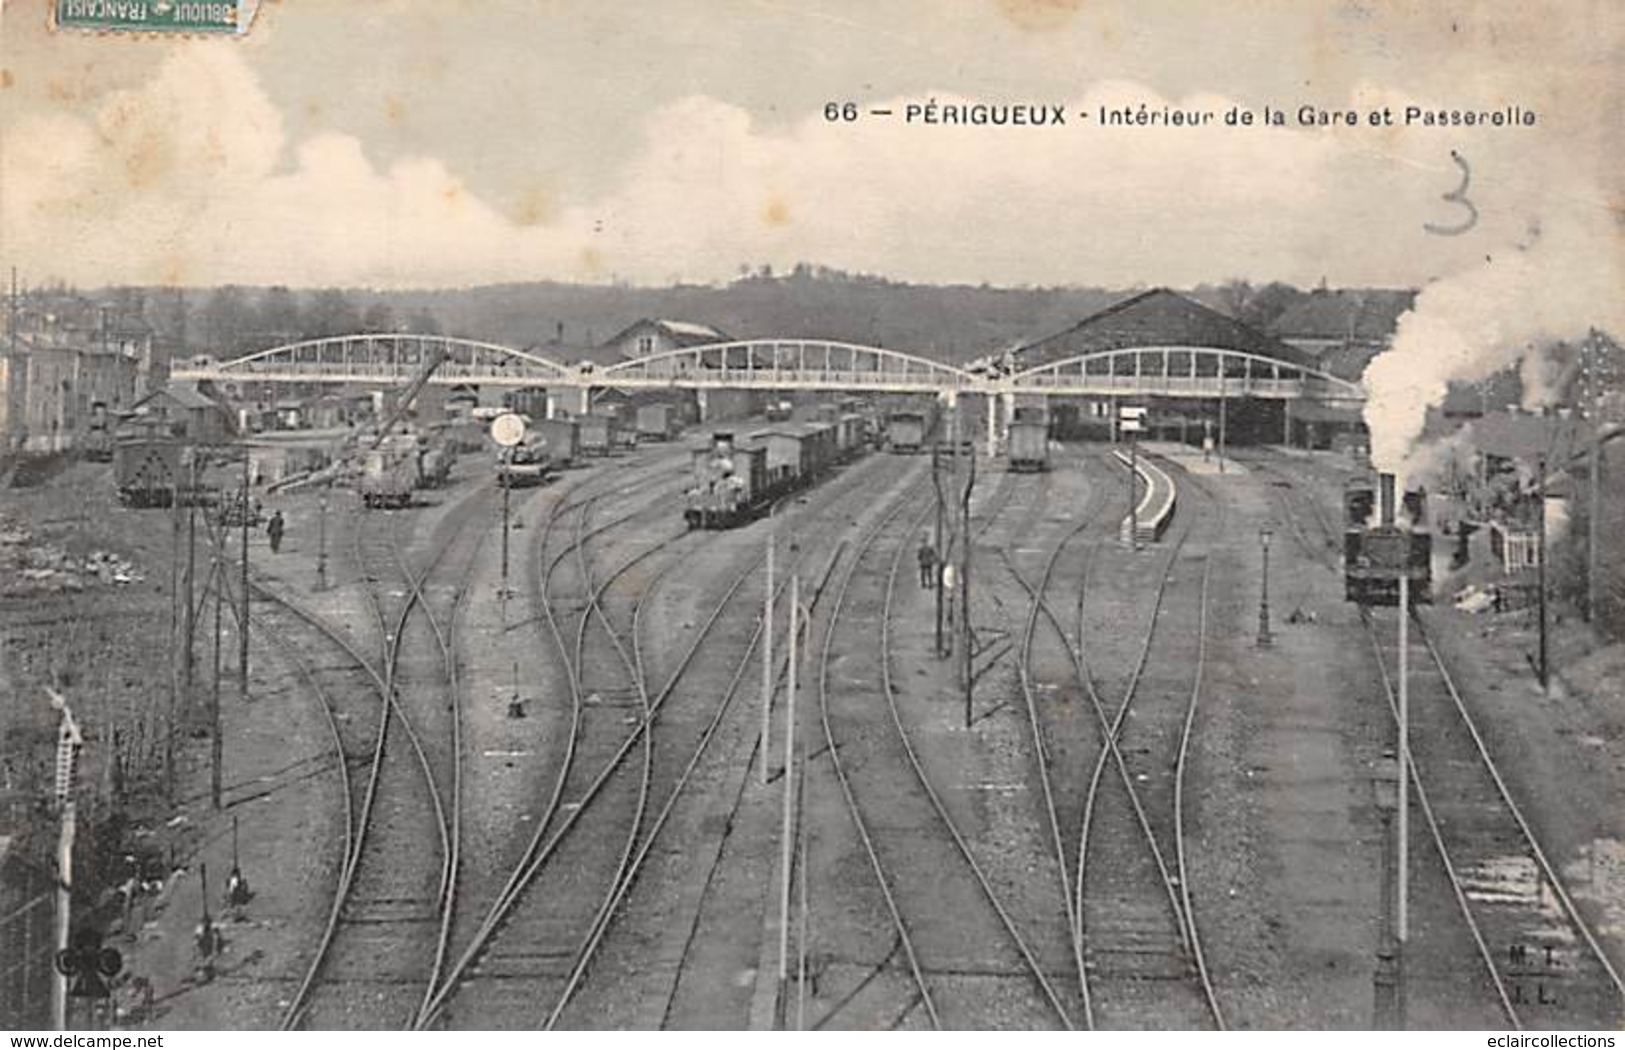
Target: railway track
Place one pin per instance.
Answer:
(1143, 953)
(590, 777)
(667, 958)
(390, 923)
(958, 933)
(504, 981)
(1058, 746)
(1538, 962)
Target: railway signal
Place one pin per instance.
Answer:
(88, 965)
(69, 740)
(507, 430)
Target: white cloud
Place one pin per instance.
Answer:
(191, 179)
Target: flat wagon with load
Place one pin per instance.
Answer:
(389, 473)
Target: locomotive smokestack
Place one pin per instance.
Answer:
(1385, 498)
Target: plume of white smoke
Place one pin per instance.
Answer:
(1472, 325)
(1437, 464)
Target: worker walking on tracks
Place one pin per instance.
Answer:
(928, 563)
(273, 531)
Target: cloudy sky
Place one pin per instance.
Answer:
(407, 143)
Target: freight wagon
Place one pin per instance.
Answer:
(563, 437)
(905, 432)
(1029, 445)
(597, 435)
(657, 423)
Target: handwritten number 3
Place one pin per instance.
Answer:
(1457, 196)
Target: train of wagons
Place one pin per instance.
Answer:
(1383, 542)
(736, 478)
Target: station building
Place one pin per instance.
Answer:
(1202, 374)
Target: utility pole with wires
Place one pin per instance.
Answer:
(940, 553)
(216, 744)
(1540, 568)
(787, 830)
(967, 638)
(242, 618)
(189, 631)
(175, 619)
(1593, 365)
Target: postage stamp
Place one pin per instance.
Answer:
(160, 16)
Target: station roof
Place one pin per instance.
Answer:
(1159, 317)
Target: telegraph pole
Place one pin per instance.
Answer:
(175, 619)
(964, 588)
(787, 844)
(1540, 527)
(1594, 417)
(767, 656)
(189, 655)
(1402, 875)
(936, 567)
(216, 745)
(242, 620)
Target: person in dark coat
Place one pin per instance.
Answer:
(273, 530)
(928, 562)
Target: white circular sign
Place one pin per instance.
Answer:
(507, 430)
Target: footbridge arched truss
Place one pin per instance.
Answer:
(781, 364)
(387, 358)
(1181, 371)
(787, 364)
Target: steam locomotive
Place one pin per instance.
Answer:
(736, 481)
(1382, 543)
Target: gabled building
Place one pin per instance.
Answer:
(648, 337)
(184, 411)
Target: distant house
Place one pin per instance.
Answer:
(1356, 322)
(63, 379)
(184, 411)
(648, 337)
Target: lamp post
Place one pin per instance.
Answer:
(321, 540)
(1388, 978)
(1265, 640)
